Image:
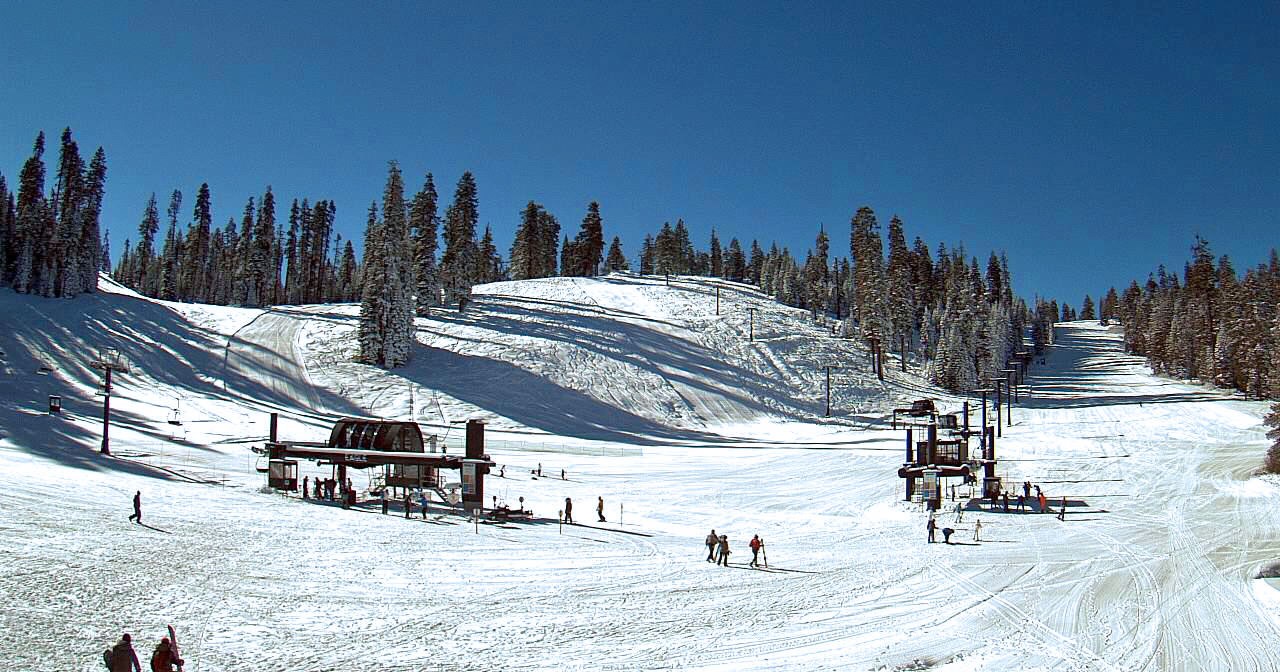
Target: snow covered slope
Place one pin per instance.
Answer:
(1151, 570)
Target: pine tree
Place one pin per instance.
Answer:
(648, 256)
(294, 275)
(194, 278)
(371, 329)
(398, 263)
(246, 282)
(172, 251)
(490, 269)
(424, 225)
(1086, 309)
(457, 267)
(63, 255)
(616, 261)
(901, 291)
(8, 234)
(869, 302)
(143, 257)
(261, 256)
(31, 221)
(717, 257)
(589, 243)
(752, 272)
(525, 261)
(347, 281)
(1272, 421)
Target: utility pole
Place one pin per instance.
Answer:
(108, 361)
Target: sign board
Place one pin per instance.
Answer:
(929, 488)
(468, 478)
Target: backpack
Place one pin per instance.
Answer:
(107, 658)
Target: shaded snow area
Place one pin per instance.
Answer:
(682, 423)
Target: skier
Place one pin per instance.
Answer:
(163, 660)
(1006, 501)
(724, 550)
(384, 502)
(1026, 489)
(1062, 513)
(568, 511)
(977, 530)
(122, 657)
(422, 498)
(408, 505)
(959, 512)
(600, 509)
(1021, 503)
(713, 542)
(137, 508)
(755, 549)
(562, 474)
(305, 480)
(931, 526)
(1044, 501)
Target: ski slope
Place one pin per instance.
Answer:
(682, 423)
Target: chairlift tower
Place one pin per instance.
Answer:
(108, 361)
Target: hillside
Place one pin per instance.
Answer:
(681, 423)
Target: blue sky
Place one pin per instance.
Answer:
(1088, 141)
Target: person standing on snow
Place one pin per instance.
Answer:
(163, 660)
(724, 550)
(713, 542)
(123, 658)
(568, 511)
(408, 504)
(305, 483)
(931, 526)
(755, 549)
(977, 530)
(959, 512)
(137, 508)
(1062, 513)
(600, 509)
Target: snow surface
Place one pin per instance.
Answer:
(648, 398)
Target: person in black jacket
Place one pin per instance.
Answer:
(137, 508)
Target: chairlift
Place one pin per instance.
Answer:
(175, 416)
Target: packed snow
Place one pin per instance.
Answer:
(682, 411)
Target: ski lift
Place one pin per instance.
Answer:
(175, 416)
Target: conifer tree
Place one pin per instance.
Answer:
(143, 257)
(735, 263)
(371, 329)
(171, 251)
(901, 290)
(589, 243)
(755, 266)
(261, 267)
(399, 281)
(648, 256)
(1272, 421)
(8, 234)
(525, 261)
(490, 269)
(31, 220)
(1086, 309)
(616, 261)
(458, 266)
(424, 224)
(193, 280)
(717, 257)
(868, 274)
(347, 270)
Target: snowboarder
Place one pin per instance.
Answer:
(724, 550)
(122, 657)
(163, 658)
(1062, 513)
(713, 542)
(755, 549)
(977, 530)
(568, 511)
(600, 509)
(137, 508)
(931, 526)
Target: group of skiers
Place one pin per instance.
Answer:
(568, 510)
(326, 488)
(932, 525)
(122, 657)
(718, 549)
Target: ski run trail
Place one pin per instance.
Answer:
(683, 419)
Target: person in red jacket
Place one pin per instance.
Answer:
(755, 549)
(163, 660)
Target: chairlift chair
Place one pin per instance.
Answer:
(175, 417)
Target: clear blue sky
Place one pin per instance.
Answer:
(1089, 142)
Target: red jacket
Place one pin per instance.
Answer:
(755, 543)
